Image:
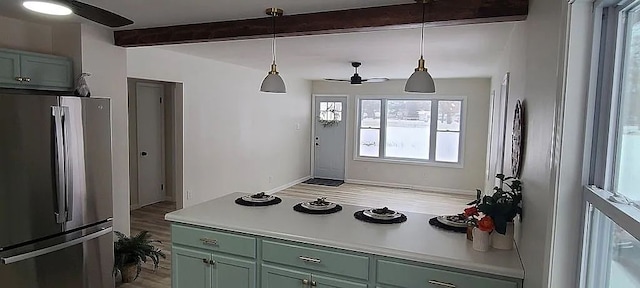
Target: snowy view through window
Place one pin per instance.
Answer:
(408, 129)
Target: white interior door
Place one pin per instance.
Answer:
(150, 136)
(330, 137)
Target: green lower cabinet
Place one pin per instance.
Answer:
(276, 277)
(331, 282)
(231, 272)
(201, 269)
(190, 268)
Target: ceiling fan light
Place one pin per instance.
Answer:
(273, 83)
(48, 7)
(420, 82)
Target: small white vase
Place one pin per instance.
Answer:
(503, 242)
(481, 240)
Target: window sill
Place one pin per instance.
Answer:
(410, 162)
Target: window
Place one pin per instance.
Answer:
(410, 131)
(331, 111)
(612, 229)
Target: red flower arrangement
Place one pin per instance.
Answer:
(486, 224)
(471, 211)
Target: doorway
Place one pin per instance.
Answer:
(155, 131)
(329, 140)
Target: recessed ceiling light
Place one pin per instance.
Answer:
(47, 7)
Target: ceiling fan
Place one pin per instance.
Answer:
(66, 7)
(356, 79)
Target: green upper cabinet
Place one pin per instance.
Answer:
(28, 70)
(9, 68)
(233, 272)
(190, 268)
(46, 71)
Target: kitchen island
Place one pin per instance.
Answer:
(224, 245)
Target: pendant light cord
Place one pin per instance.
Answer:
(422, 37)
(273, 42)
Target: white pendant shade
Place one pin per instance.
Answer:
(273, 83)
(420, 82)
(48, 7)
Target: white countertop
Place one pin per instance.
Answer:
(413, 240)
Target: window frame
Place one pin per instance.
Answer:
(609, 49)
(433, 131)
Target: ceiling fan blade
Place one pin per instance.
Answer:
(375, 80)
(337, 80)
(99, 15)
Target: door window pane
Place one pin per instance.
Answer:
(330, 111)
(628, 144)
(614, 255)
(447, 146)
(370, 142)
(370, 113)
(407, 129)
(449, 113)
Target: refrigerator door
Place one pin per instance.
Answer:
(84, 262)
(28, 197)
(88, 147)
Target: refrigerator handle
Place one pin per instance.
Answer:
(68, 171)
(36, 253)
(60, 173)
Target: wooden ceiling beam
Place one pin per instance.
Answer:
(438, 13)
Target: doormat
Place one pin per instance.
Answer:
(324, 182)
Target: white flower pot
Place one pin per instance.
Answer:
(481, 240)
(503, 242)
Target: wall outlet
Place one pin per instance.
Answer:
(189, 194)
(297, 126)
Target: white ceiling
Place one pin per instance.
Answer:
(152, 13)
(450, 52)
(454, 51)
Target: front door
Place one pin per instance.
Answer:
(330, 137)
(150, 120)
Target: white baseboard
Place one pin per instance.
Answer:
(290, 184)
(412, 187)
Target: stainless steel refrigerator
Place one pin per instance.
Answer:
(56, 204)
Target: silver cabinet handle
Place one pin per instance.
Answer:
(210, 242)
(442, 284)
(33, 254)
(26, 79)
(305, 281)
(314, 284)
(212, 262)
(205, 261)
(309, 259)
(19, 79)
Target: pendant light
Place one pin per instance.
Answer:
(420, 81)
(273, 83)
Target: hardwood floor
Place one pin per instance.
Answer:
(376, 197)
(151, 217)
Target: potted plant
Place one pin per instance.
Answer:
(131, 252)
(503, 207)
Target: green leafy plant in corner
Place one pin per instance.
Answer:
(505, 204)
(129, 251)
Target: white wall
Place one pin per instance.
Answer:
(463, 180)
(235, 137)
(108, 67)
(533, 56)
(23, 35)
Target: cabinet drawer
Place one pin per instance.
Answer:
(214, 241)
(345, 264)
(404, 275)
